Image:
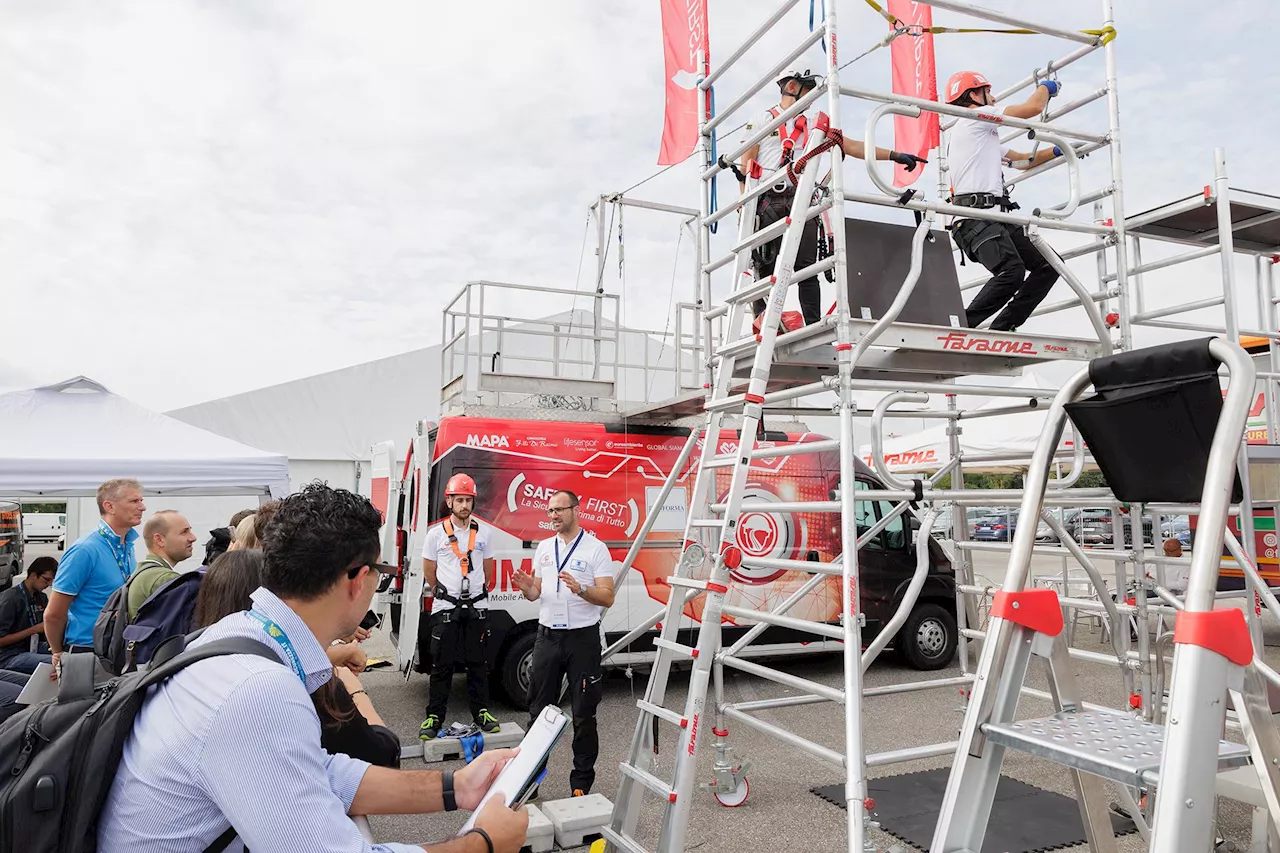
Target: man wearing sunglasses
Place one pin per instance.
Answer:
(230, 746)
(573, 580)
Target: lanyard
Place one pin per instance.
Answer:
(31, 605)
(277, 633)
(559, 565)
(122, 554)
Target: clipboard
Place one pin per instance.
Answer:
(521, 774)
(39, 687)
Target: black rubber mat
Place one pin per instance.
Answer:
(1024, 819)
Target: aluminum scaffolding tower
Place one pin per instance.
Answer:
(850, 351)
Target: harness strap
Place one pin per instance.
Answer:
(463, 560)
(799, 133)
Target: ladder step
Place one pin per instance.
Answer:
(692, 583)
(1114, 746)
(621, 841)
(658, 711)
(653, 783)
(708, 523)
(687, 651)
(722, 462)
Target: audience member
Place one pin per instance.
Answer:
(244, 536)
(95, 566)
(22, 618)
(169, 541)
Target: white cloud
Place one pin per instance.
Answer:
(201, 199)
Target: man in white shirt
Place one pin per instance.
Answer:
(786, 144)
(459, 607)
(1021, 277)
(573, 580)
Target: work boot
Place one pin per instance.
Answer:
(487, 722)
(430, 728)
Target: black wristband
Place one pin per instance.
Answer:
(480, 832)
(446, 793)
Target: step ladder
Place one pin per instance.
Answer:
(1176, 763)
(704, 569)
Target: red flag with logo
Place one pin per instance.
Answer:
(684, 34)
(914, 74)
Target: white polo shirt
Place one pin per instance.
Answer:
(449, 567)
(587, 560)
(975, 155)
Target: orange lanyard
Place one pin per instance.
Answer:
(463, 560)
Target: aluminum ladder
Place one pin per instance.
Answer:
(1214, 657)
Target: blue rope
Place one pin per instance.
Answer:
(714, 156)
(823, 42)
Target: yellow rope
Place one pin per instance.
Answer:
(1106, 34)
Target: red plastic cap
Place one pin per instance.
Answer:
(869, 804)
(1037, 609)
(1222, 631)
(1135, 700)
(823, 123)
(755, 170)
(1113, 320)
(1208, 192)
(753, 398)
(732, 555)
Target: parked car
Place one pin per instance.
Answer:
(996, 527)
(1094, 526)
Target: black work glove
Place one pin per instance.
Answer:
(908, 160)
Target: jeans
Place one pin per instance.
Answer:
(24, 662)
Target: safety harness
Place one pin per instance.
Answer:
(982, 201)
(799, 133)
(464, 599)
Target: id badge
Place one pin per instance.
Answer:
(559, 612)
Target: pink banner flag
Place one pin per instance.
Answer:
(684, 35)
(914, 74)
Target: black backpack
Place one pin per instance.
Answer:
(121, 644)
(58, 759)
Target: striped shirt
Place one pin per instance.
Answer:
(235, 740)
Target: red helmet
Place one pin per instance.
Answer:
(963, 81)
(460, 484)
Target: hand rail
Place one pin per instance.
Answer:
(904, 292)
(869, 155)
(877, 435)
(1067, 208)
(1090, 307)
(909, 598)
(1077, 463)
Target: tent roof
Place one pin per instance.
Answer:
(64, 440)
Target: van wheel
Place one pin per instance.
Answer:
(928, 639)
(515, 667)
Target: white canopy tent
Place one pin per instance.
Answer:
(64, 440)
(1005, 442)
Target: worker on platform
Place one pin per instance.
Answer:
(786, 144)
(459, 607)
(1021, 277)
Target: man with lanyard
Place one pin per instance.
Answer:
(95, 566)
(573, 580)
(22, 618)
(786, 144)
(169, 542)
(459, 607)
(1021, 277)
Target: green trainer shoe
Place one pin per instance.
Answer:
(430, 728)
(487, 722)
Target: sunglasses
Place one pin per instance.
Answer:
(380, 568)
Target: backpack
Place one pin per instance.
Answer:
(58, 759)
(122, 645)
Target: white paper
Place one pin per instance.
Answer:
(519, 772)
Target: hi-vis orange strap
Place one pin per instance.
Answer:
(464, 560)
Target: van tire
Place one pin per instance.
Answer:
(517, 658)
(928, 639)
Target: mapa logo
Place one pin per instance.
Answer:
(487, 441)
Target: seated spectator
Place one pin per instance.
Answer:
(22, 619)
(349, 723)
(232, 743)
(11, 684)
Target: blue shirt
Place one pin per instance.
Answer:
(236, 740)
(91, 569)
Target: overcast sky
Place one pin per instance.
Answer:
(202, 198)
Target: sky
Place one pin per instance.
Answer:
(203, 198)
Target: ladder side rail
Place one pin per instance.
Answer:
(970, 791)
(651, 516)
(1200, 677)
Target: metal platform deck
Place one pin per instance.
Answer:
(1193, 220)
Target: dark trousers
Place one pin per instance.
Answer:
(1021, 277)
(460, 635)
(573, 652)
(771, 208)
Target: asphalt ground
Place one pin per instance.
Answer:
(780, 813)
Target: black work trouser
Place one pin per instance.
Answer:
(572, 652)
(772, 207)
(460, 635)
(1021, 277)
